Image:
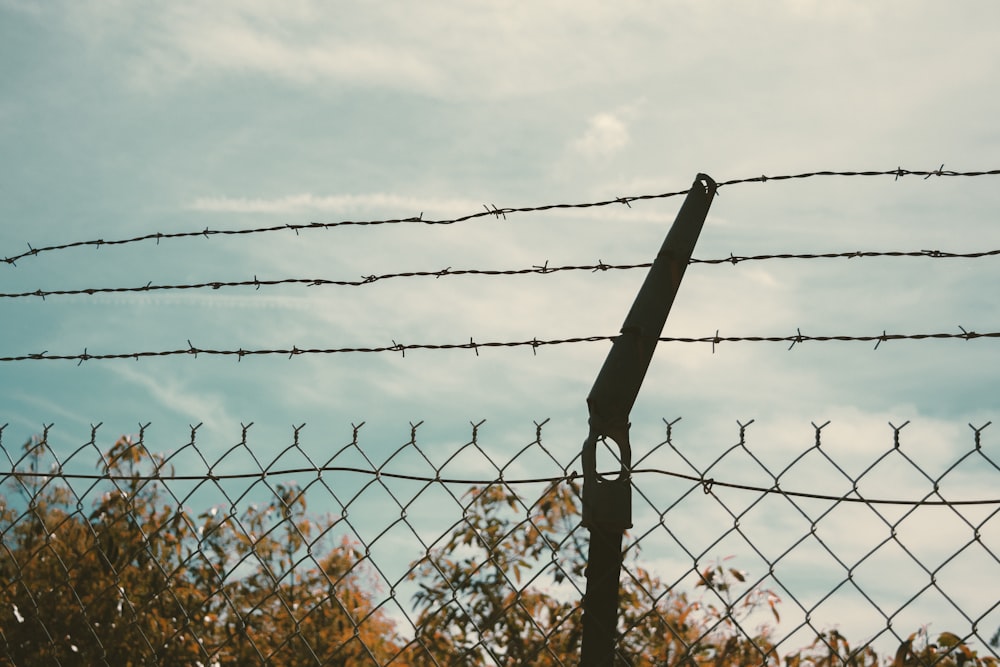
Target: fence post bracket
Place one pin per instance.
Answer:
(607, 501)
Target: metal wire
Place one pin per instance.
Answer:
(489, 211)
(534, 343)
(543, 269)
(707, 483)
(117, 566)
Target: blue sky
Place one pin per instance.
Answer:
(119, 120)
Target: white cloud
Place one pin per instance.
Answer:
(605, 135)
(300, 42)
(398, 205)
(238, 42)
(444, 51)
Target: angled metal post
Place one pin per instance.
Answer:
(607, 502)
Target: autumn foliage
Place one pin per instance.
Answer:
(133, 578)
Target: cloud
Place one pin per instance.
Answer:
(443, 52)
(302, 43)
(605, 135)
(51, 408)
(235, 43)
(298, 203)
(180, 398)
(391, 205)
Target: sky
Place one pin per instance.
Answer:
(120, 120)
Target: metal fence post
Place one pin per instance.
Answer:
(607, 502)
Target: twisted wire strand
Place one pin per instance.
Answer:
(543, 269)
(499, 213)
(534, 343)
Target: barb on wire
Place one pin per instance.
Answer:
(534, 343)
(543, 269)
(489, 211)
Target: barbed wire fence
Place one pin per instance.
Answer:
(735, 559)
(543, 269)
(399, 561)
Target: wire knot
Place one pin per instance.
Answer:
(797, 339)
(936, 172)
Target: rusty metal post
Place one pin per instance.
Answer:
(607, 502)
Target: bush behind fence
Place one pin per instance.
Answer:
(473, 554)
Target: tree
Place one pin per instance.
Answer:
(137, 579)
(490, 594)
(475, 602)
(482, 599)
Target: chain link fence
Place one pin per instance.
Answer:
(812, 548)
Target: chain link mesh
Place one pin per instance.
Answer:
(438, 554)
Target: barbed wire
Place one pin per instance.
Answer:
(707, 483)
(534, 343)
(489, 210)
(543, 269)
